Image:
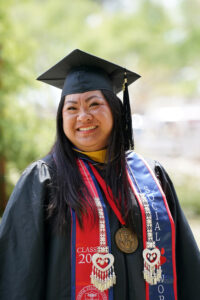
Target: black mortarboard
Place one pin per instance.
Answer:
(80, 72)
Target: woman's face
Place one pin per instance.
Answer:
(87, 120)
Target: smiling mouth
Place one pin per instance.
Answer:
(87, 128)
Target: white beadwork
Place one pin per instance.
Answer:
(102, 277)
(151, 254)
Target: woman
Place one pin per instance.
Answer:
(93, 220)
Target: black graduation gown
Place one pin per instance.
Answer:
(35, 262)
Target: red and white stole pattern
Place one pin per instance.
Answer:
(85, 241)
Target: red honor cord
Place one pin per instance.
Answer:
(109, 195)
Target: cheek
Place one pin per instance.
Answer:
(109, 127)
(105, 117)
(109, 121)
(67, 126)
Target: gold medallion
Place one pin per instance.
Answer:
(126, 240)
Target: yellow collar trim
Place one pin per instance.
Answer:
(98, 156)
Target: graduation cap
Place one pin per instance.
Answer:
(79, 72)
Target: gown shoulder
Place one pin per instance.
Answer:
(22, 241)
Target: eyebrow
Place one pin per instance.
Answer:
(88, 99)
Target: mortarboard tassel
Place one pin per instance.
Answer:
(127, 119)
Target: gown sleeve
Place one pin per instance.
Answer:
(187, 252)
(22, 243)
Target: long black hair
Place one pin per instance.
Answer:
(68, 187)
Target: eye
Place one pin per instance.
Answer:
(94, 104)
(71, 108)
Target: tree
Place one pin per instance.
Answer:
(13, 76)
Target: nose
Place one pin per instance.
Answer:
(84, 116)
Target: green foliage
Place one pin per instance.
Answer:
(27, 134)
(188, 192)
(20, 125)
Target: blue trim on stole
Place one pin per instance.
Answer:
(162, 233)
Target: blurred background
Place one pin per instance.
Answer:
(158, 39)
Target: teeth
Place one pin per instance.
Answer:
(87, 128)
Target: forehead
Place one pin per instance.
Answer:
(85, 96)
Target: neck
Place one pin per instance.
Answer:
(98, 156)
